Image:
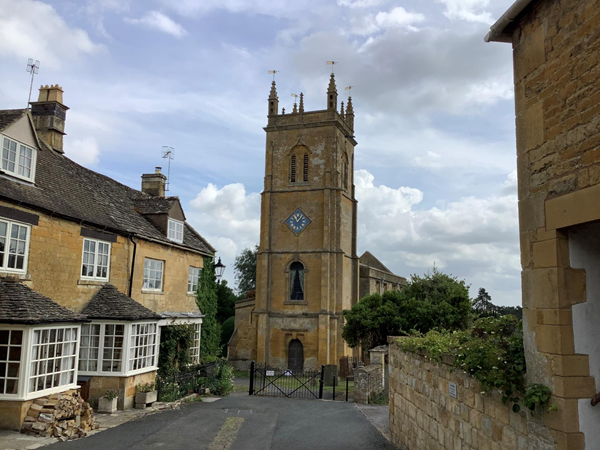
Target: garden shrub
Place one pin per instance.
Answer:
(492, 352)
(221, 381)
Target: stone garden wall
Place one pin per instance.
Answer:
(368, 380)
(425, 416)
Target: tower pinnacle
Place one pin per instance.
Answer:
(301, 107)
(350, 114)
(332, 94)
(273, 100)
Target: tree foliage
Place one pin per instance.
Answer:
(226, 299)
(206, 298)
(245, 270)
(227, 328)
(483, 307)
(433, 301)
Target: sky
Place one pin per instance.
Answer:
(434, 112)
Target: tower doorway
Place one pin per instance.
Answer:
(296, 356)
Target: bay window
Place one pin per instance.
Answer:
(11, 343)
(103, 349)
(14, 246)
(18, 159)
(95, 260)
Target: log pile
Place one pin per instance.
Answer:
(64, 416)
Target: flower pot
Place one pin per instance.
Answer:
(107, 406)
(144, 398)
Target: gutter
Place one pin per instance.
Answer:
(496, 33)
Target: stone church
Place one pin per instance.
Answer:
(307, 263)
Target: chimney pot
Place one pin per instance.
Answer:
(157, 169)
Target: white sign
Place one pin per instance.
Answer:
(452, 390)
(270, 373)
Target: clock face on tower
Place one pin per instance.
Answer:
(297, 222)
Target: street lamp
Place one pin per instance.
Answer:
(219, 269)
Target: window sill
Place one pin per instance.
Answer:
(295, 302)
(191, 294)
(151, 291)
(91, 282)
(299, 183)
(20, 276)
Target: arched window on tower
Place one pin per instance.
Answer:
(305, 171)
(293, 169)
(297, 281)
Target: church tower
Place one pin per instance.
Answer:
(307, 265)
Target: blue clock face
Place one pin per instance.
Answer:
(297, 222)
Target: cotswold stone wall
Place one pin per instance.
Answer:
(424, 416)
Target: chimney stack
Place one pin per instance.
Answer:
(49, 115)
(154, 183)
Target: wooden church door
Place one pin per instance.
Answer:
(296, 356)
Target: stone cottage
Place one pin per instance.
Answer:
(90, 268)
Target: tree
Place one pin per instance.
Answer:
(483, 305)
(245, 270)
(206, 298)
(226, 299)
(433, 301)
(227, 330)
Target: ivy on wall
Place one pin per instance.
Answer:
(175, 342)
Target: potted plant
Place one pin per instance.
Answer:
(108, 402)
(145, 394)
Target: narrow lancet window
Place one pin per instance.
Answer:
(293, 169)
(297, 281)
(305, 178)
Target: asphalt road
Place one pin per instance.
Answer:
(242, 422)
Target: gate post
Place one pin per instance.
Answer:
(251, 386)
(321, 382)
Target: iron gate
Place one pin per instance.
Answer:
(283, 382)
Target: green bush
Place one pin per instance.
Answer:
(221, 381)
(433, 301)
(227, 328)
(492, 352)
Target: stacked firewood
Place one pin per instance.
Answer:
(64, 416)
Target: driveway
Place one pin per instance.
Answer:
(241, 422)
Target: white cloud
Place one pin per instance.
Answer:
(32, 29)
(227, 217)
(399, 17)
(158, 21)
(469, 10)
(360, 3)
(84, 151)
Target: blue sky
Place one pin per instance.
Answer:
(434, 112)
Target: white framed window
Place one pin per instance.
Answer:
(95, 261)
(11, 346)
(175, 231)
(153, 274)
(193, 275)
(142, 346)
(14, 246)
(194, 351)
(18, 159)
(53, 358)
(118, 349)
(89, 347)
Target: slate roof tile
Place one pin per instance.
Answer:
(110, 303)
(19, 304)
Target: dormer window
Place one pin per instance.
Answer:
(18, 159)
(175, 232)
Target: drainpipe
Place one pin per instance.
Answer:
(132, 264)
(496, 30)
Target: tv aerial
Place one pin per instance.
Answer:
(33, 69)
(168, 153)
